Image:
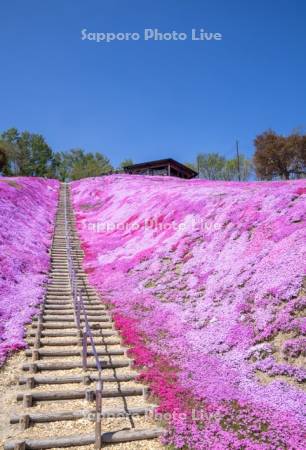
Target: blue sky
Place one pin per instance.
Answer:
(152, 99)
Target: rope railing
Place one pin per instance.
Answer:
(85, 332)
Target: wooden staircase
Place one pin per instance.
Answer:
(57, 396)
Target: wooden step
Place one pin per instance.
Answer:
(91, 318)
(64, 303)
(54, 275)
(69, 325)
(69, 312)
(58, 293)
(56, 252)
(55, 287)
(58, 309)
(85, 439)
(63, 353)
(59, 263)
(47, 396)
(65, 279)
(73, 342)
(73, 333)
(58, 365)
(87, 300)
(71, 379)
(59, 272)
(81, 414)
(55, 279)
(69, 304)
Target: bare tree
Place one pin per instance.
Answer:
(280, 156)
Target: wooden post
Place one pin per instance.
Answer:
(33, 368)
(20, 445)
(86, 380)
(30, 383)
(80, 337)
(27, 400)
(131, 364)
(24, 422)
(89, 395)
(98, 430)
(84, 349)
(39, 329)
(146, 393)
(35, 354)
(35, 351)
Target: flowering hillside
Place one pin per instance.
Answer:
(206, 283)
(27, 210)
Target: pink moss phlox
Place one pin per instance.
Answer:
(293, 348)
(200, 294)
(27, 211)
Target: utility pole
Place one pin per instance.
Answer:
(198, 164)
(238, 160)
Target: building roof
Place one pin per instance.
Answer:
(161, 162)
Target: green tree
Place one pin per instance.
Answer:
(211, 166)
(231, 172)
(246, 168)
(126, 162)
(8, 141)
(57, 167)
(76, 164)
(41, 155)
(29, 154)
(89, 165)
(3, 159)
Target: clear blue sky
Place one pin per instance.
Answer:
(148, 100)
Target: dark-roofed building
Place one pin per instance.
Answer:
(167, 167)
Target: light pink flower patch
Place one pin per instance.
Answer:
(27, 211)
